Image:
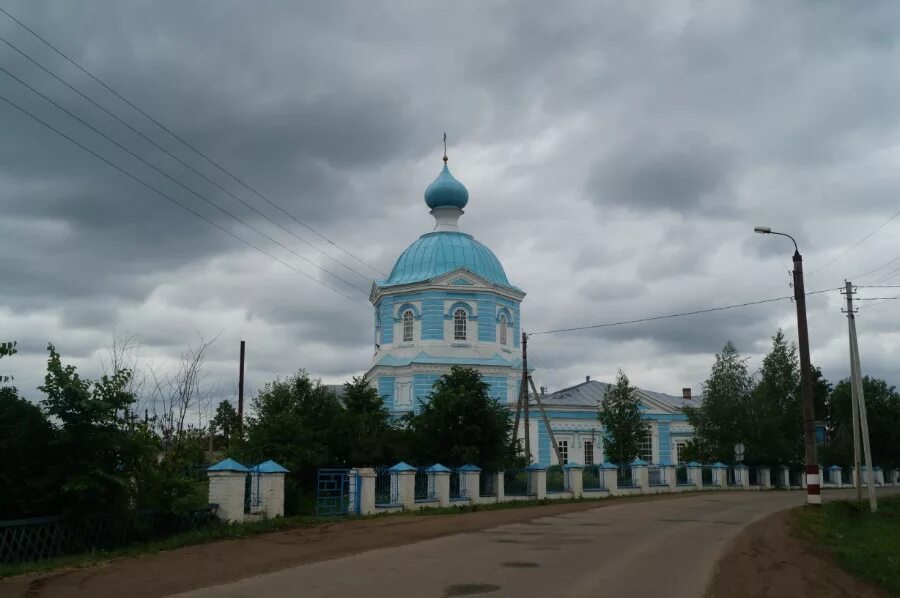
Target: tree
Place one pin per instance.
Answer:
(26, 436)
(624, 427)
(460, 423)
(773, 426)
(225, 423)
(883, 415)
(296, 422)
(367, 433)
(7, 348)
(96, 454)
(721, 420)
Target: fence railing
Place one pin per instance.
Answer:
(625, 477)
(733, 476)
(487, 484)
(706, 476)
(457, 485)
(592, 478)
(424, 485)
(42, 538)
(556, 479)
(656, 476)
(796, 477)
(515, 482)
(385, 489)
(682, 477)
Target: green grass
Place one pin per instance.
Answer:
(863, 543)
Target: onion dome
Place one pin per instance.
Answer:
(446, 192)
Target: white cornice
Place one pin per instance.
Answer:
(444, 283)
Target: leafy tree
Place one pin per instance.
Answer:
(721, 420)
(96, 455)
(460, 423)
(624, 427)
(296, 422)
(367, 433)
(7, 348)
(26, 436)
(883, 416)
(774, 423)
(225, 424)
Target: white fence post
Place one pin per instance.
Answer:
(639, 475)
(440, 477)
(537, 481)
(499, 486)
(695, 474)
(671, 473)
(227, 481)
(765, 476)
(403, 484)
(574, 479)
(743, 472)
(610, 477)
(469, 482)
(270, 488)
(719, 471)
(784, 477)
(366, 487)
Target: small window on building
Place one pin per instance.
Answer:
(503, 330)
(459, 324)
(588, 452)
(563, 451)
(407, 326)
(647, 446)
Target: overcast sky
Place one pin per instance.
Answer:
(617, 157)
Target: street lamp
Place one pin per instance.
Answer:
(813, 492)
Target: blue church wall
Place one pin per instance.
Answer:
(432, 316)
(487, 327)
(422, 386)
(544, 448)
(386, 320)
(498, 387)
(386, 390)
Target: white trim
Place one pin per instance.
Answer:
(812, 478)
(814, 499)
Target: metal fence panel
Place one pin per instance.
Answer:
(592, 478)
(656, 476)
(556, 479)
(334, 497)
(487, 484)
(515, 482)
(424, 485)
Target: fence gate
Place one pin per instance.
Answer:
(337, 493)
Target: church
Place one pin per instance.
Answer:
(448, 301)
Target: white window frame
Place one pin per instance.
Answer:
(563, 451)
(588, 452)
(647, 446)
(503, 333)
(679, 446)
(460, 324)
(408, 326)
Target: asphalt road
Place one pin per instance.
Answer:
(661, 548)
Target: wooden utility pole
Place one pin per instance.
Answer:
(540, 404)
(241, 387)
(861, 421)
(525, 396)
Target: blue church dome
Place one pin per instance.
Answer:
(440, 252)
(446, 192)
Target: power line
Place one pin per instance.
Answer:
(855, 245)
(877, 286)
(194, 149)
(882, 266)
(678, 315)
(167, 152)
(179, 183)
(876, 298)
(172, 199)
(888, 276)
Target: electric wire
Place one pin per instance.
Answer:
(881, 267)
(185, 143)
(855, 245)
(171, 155)
(179, 183)
(677, 315)
(172, 199)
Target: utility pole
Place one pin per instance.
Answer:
(540, 404)
(860, 420)
(813, 489)
(525, 396)
(241, 388)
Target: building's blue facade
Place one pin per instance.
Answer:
(446, 302)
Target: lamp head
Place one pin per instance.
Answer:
(763, 230)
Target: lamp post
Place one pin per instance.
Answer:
(813, 492)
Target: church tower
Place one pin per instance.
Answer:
(446, 302)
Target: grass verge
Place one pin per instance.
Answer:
(863, 543)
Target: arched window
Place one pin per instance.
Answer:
(503, 331)
(459, 324)
(407, 326)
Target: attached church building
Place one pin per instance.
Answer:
(447, 301)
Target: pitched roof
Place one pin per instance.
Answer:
(591, 393)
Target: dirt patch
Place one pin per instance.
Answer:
(192, 567)
(767, 560)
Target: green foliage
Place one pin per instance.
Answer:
(368, 435)
(883, 411)
(96, 451)
(460, 423)
(863, 543)
(296, 422)
(7, 348)
(25, 439)
(620, 415)
(225, 424)
(722, 419)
